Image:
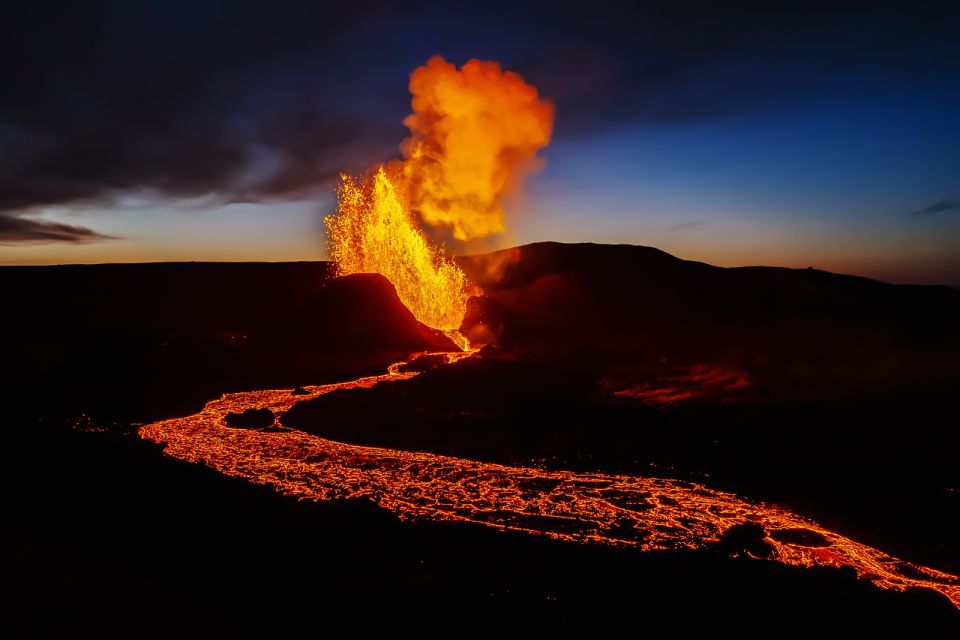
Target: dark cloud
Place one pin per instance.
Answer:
(938, 207)
(667, 62)
(686, 225)
(251, 101)
(19, 230)
(174, 99)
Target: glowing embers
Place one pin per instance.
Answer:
(646, 513)
(372, 232)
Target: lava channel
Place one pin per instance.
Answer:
(622, 510)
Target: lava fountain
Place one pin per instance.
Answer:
(372, 232)
(474, 137)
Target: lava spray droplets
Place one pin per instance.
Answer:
(372, 232)
(474, 136)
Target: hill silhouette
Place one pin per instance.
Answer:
(621, 303)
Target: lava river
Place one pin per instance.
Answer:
(645, 513)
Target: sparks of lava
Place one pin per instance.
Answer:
(372, 232)
(474, 136)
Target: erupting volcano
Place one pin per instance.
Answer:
(448, 412)
(475, 134)
(421, 419)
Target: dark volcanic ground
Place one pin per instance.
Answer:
(829, 394)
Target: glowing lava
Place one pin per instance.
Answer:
(644, 513)
(372, 232)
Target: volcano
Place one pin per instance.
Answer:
(624, 419)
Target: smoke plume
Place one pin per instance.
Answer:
(474, 137)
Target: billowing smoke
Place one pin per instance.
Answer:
(474, 137)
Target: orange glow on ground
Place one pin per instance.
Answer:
(631, 511)
(700, 380)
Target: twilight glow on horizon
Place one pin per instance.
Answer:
(795, 138)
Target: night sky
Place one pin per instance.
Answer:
(733, 133)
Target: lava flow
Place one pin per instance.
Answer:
(632, 511)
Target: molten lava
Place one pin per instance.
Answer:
(474, 135)
(648, 514)
(372, 232)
